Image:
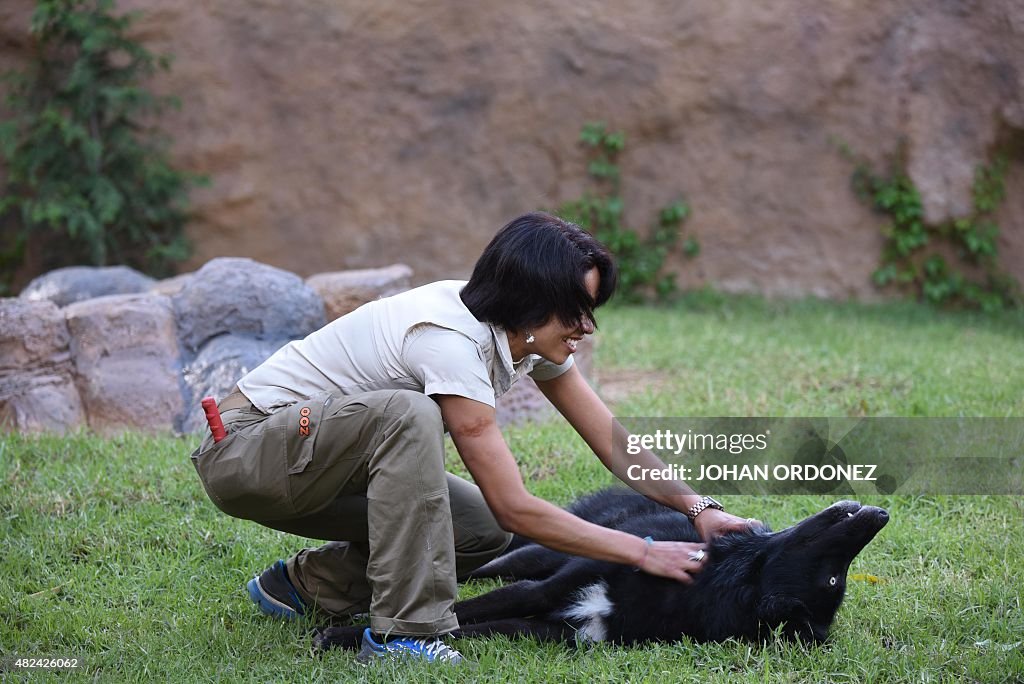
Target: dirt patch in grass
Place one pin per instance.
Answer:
(618, 385)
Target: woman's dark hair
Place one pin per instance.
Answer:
(534, 269)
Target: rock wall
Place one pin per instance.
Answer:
(341, 135)
(144, 358)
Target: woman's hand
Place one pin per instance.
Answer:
(713, 523)
(676, 560)
(682, 560)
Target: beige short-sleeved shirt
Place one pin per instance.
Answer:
(424, 339)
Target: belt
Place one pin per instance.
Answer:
(235, 400)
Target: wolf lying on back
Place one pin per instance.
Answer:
(752, 583)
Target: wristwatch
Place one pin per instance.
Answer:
(705, 502)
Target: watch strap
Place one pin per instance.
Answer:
(697, 508)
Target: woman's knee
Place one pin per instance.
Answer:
(415, 410)
(494, 542)
(410, 436)
(476, 529)
(480, 550)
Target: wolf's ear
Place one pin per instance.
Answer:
(775, 609)
(792, 615)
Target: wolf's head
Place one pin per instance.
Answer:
(795, 580)
(803, 575)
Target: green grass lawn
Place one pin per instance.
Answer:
(111, 553)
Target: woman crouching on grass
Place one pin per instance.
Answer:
(340, 437)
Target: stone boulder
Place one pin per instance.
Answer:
(242, 296)
(40, 403)
(522, 403)
(169, 287)
(65, 286)
(37, 390)
(32, 334)
(345, 291)
(217, 368)
(127, 362)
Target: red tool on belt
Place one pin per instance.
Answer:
(213, 418)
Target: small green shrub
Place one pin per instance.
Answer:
(86, 172)
(914, 257)
(641, 258)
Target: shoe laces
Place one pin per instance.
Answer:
(437, 649)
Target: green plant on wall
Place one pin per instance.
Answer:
(86, 174)
(641, 258)
(954, 263)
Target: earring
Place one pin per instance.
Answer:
(530, 338)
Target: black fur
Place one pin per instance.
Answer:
(752, 584)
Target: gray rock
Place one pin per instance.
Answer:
(170, 286)
(345, 291)
(217, 368)
(32, 334)
(77, 283)
(127, 362)
(242, 296)
(524, 402)
(40, 403)
(37, 390)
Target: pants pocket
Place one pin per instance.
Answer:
(244, 474)
(302, 421)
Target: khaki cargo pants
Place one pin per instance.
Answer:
(367, 473)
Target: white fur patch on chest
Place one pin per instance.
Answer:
(590, 606)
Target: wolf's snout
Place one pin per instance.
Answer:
(880, 514)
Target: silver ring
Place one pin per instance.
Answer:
(697, 556)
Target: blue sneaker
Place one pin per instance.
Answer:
(430, 649)
(274, 593)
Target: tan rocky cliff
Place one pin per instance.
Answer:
(359, 133)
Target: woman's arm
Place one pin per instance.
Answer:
(577, 401)
(474, 430)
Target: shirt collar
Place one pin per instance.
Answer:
(506, 372)
(504, 351)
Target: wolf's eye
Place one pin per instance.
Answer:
(832, 581)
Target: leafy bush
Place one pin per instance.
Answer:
(87, 175)
(640, 258)
(914, 257)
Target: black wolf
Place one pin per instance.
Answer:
(753, 584)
